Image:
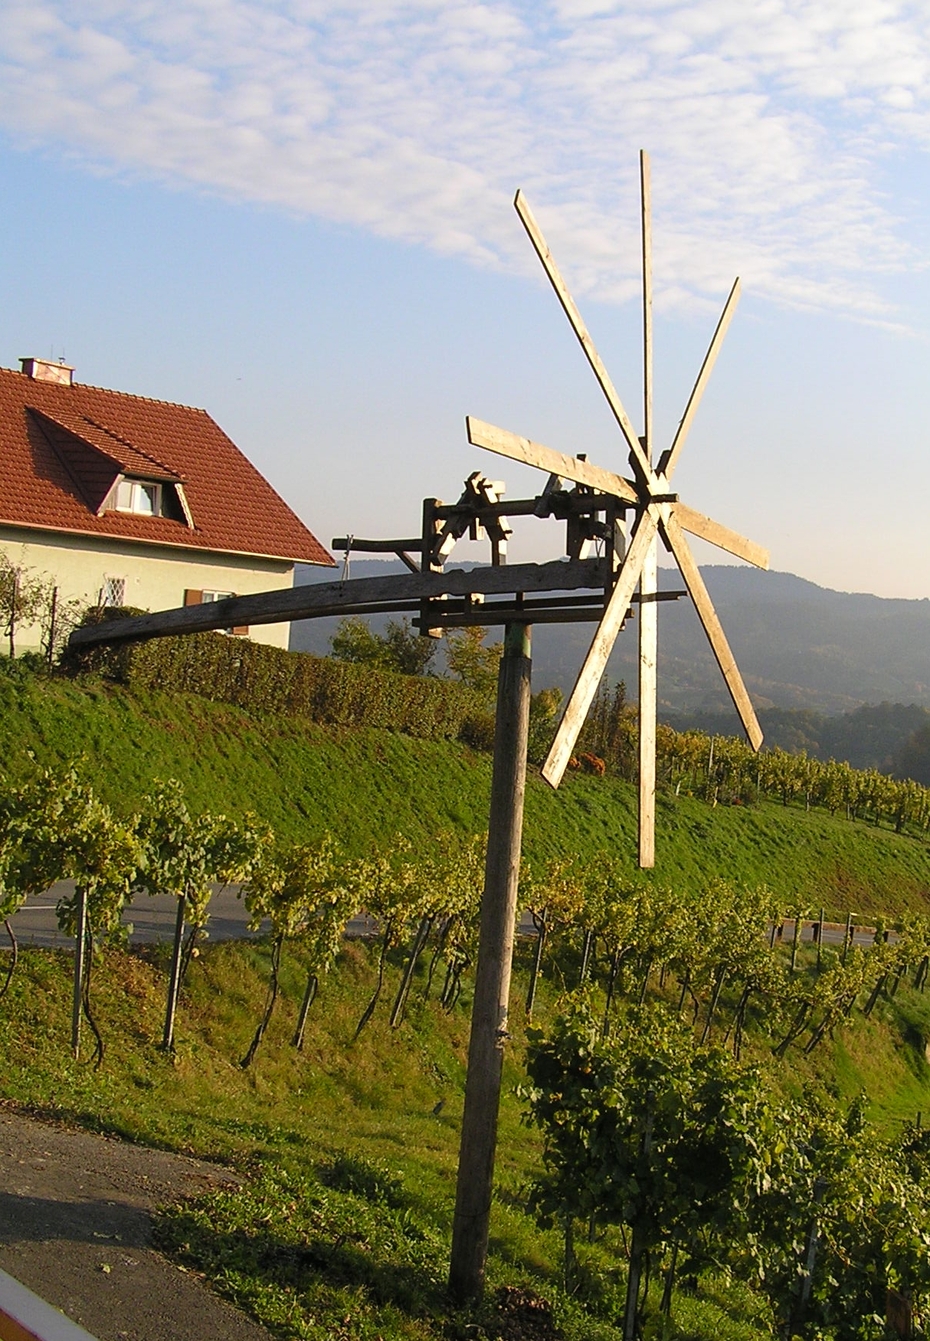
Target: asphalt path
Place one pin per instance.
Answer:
(152, 919)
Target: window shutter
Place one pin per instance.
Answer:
(240, 630)
(192, 597)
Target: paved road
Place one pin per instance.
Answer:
(75, 1228)
(152, 919)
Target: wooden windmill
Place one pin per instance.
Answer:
(600, 590)
(656, 512)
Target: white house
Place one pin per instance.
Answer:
(121, 500)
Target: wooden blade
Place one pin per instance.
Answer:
(648, 609)
(584, 339)
(721, 536)
(645, 180)
(714, 630)
(648, 648)
(670, 458)
(590, 674)
(502, 442)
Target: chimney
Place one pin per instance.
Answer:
(43, 370)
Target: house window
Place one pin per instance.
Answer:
(194, 596)
(113, 591)
(140, 496)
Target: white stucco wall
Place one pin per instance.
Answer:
(156, 576)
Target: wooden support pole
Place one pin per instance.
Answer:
(80, 965)
(492, 979)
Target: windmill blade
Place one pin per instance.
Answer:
(645, 182)
(590, 674)
(713, 628)
(648, 583)
(643, 468)
(695, 523)
(670, 458)
(504, 443)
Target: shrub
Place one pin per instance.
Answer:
(270, 680)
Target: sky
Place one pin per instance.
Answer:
(299, 215)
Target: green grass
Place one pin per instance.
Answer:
(367, 785)
(341, 1227)
(348, 1169)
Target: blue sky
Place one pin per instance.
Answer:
(299, 216)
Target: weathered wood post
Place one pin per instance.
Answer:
(174, 977)
(80, 967)
(492, 979)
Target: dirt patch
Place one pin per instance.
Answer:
(75, 1228)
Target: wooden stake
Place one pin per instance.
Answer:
(492, 979)
(80, 961)
(174, 978)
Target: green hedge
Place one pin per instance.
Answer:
(266, 679)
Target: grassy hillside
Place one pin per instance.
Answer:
(366, 785)
(347, 1151)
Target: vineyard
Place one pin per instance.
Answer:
(653, 1071)
(723, 770)
(696, 1159)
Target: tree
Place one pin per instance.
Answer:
(22, 598)
(647, 1130)
(913, 760)
(103, 855)
(400, 648)
(30, 858)
(185, 855)
(472, 662)
(304, 893)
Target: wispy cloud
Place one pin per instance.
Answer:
(773, 124)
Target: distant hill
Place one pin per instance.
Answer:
(798, 645)
(877, 735)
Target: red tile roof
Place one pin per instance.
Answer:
(62, 447)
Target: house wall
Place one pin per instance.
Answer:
(156, 576)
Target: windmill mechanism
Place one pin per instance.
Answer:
(621, 517)
(656, 513)
(628, 516)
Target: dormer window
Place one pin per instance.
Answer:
(140, 496)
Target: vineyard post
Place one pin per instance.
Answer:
(492, 978)
(820, 936)
(80, 957)
(174, 980)
(847, 937)
(794, 943)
